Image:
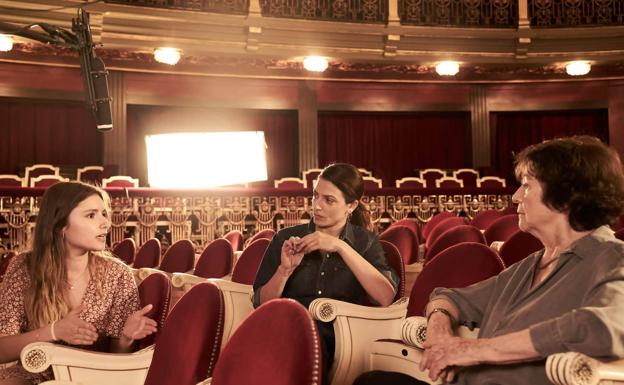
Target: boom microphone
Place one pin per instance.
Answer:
(94, 74)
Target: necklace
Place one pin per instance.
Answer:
(72, 286)
(542, 267)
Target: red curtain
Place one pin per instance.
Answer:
(280, 132)
(395, 145)
(59, 133)
(513, 131)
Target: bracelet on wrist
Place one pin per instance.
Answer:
(441, 310)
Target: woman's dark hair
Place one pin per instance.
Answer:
(580, 176)
(349, 180)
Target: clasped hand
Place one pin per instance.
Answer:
(294, 248)
(444, 353)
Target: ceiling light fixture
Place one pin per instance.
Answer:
(6, 43)
(315, 63)
(447, 68)
(167, 55)
(578, 68)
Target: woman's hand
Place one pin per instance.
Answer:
(319, 241)
(290, 256)
(444, 353)
(74, 331)
(139, 326)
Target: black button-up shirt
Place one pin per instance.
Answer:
(321, 274)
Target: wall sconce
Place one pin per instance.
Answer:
(315, 63)
(447, 68)
(167, 55)
(578, 68)
(6, 43)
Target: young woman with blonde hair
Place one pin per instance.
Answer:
(67, 288)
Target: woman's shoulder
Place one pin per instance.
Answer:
(294, 231)
(113, 266)
(16, 273)
(17, 266)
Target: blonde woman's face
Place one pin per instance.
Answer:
(87, 227)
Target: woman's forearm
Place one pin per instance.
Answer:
(11, 346)
(275, 286)
(121, 345)
(509, 348)
(376, 285)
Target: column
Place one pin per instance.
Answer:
(480, 122)
(308, 125)
(115, 147)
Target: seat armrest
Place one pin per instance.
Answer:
(180, 280)
(82, 366)
(414, 331)
(573, 368)
(394, 356)
(145, 272)
(355, 329)
(327, 309)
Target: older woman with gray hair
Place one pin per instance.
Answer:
(568, 296)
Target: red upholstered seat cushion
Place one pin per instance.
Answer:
(454, 236)
(458, 266)
(411, 224)
(155, 290)
(519, 246)
(393, 256)
(148, 254)
(442, 227)
(125, 250)
(266, 234)
(502, 228)
(235, 238)
(189, 344)
(249, 261)
(277, 344)
(405, 241)
(433, 222)
(485, 218)
(179, 258)
(216, 260)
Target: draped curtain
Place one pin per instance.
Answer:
(513, 131)
(279, 127)
(60, 133)
(395, 145)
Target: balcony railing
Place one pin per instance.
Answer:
(562, 13)
(203, 216)
(363, 11)
(443, 13)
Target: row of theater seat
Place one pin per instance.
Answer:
(428, 178)
(45, 175)
(362, 333)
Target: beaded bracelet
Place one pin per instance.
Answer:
(443, 311)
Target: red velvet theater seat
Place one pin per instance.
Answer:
(277, 344)
(126, 251)
(179, 258)
(249, 261)
(216, 260)
(155, 290)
